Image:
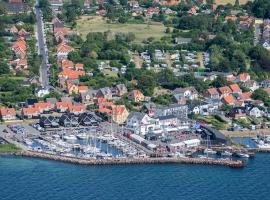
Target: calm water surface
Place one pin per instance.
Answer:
(27, 179)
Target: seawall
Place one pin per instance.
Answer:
(129, 161)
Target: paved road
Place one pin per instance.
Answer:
(257, 34)
(42, 49)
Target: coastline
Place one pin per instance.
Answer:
(128, 161)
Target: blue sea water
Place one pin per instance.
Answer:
(27, 179)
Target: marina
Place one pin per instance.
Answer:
(110, 146)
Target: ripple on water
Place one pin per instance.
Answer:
(27, 179)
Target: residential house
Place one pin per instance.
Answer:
(120, 90)
(151, 11)
(251, 84)
(172, 109)
(242, 77)
(229, 100)
(57, 23)
(70, 74)
(235, 88)
(119, 114)
(169, 120)
(224, 91)
(53, 101)
(89, 96)
(43, 107)
(150, 108)
(141, 123)
(253, 111)
(136, 96)
(63, 106)
(72, 88)
(82, 89)
(8, 114)
(68, 120)
(30, 112)
(56, 5)
(105, 93)
(189, 93)
(211, 93)
(182, 40)
(238, 113)
(77, 109)
(265, 83)
(63, 50)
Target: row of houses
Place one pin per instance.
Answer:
(19, 48)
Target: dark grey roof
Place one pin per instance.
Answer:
(138, 115)
(217, 134)
(167, 117)
(149, 105)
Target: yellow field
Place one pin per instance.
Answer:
(88, 24)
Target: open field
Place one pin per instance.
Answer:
(8, 148)
(88, 24)
(231, 1)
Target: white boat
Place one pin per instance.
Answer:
(264, 146)
(243, 155)
(70, 138)
(226, 153)
(209, 151)
(82, 136)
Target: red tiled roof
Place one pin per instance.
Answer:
(245, 95)
(67, 63)
(82, 88)
(77, 108)
(243, 76)
(235, 87)
(64, 104)
(212, 91)
(43, 105)
(30, 110)
(231, 78)
(70, 74)
(229, 99)
(4, 111)
(224, 90)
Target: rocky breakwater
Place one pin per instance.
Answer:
(125, 161)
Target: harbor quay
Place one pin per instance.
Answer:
(110, 144)
(127, 161)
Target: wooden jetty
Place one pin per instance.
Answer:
(128, 161)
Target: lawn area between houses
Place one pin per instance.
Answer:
(215, 120)
(9, 148)
(88, 24)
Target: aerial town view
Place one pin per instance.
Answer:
(134, 99)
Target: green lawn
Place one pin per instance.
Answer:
(9, 148)
(215, 121)
(88, 24)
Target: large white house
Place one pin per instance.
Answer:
(141, 123)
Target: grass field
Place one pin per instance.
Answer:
(88, 24)
(9, 148)
(231, 1)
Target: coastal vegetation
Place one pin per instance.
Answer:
(9, 148)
